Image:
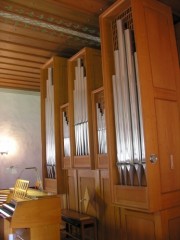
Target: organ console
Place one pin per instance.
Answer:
(32, 216)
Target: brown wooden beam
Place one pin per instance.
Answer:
(22, 56)
(19, 68)
(18, 62)
(24, 49)
(22, 78)
(18, 73)
(19, 86)
(12, 81)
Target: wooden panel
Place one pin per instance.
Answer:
(102, 161)
(4, 230)
(50, 185)
(159, 41)
(1, 228)
(66, 162)
(149, 83)
(73, 198)
(45, 232)
(170, 221)
(138, 225)
(168, 137)
(136, 231)
(174, 229)
(109, 216)
(26, 213)
(82, 161)
(88, 179)
(95, 73)
(131, 196)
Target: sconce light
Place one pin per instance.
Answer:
(4, 144)
(3, 152)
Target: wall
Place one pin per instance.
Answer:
(20, 123)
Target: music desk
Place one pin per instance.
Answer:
(78, 226)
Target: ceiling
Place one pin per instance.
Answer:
(32, 31)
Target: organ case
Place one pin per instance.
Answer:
(151, 183)
(53, 95)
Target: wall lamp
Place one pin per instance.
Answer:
(4, 145)
(3, 152)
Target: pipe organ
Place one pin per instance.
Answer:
(118, 136)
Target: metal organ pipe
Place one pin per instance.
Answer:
(80, 110)
(50, 134)
(127, 109)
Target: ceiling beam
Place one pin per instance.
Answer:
(19, 68)
(19, 86)
(22, 56)
(18, 62)
(25, 49)
(22, 78)
(18, 73)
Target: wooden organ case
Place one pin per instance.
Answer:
(142, 95)
(53, 95)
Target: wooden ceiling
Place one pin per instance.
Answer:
(32, 31)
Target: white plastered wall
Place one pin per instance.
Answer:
(20, 126)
